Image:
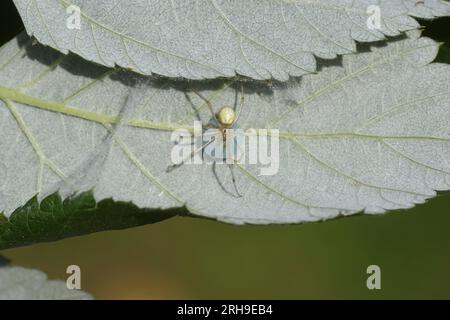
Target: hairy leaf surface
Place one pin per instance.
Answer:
(17, 283)
(370, 132)
(198, 39)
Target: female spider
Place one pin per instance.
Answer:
(224, 120)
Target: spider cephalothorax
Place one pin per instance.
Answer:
(226, 117)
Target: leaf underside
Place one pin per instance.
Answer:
(204, 39)
(370, 132)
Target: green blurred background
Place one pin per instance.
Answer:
(186, 258)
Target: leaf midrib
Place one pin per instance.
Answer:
(104, 119)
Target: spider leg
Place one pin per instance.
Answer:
(220, 182)
(208, 103)
(231, 168)
(233, 178)
(241, 106)
(197, 114)
(192, 154)
(180, 141)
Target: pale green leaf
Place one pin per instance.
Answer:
(369, 133)
(200, 39)
(17, 283)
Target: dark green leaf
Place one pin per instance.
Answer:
(54, 219)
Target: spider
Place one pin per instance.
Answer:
(224, 120)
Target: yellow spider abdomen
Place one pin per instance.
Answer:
(226, 116)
